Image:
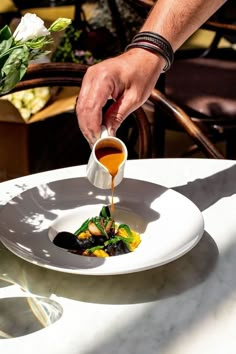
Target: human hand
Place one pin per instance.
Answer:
(128, 79)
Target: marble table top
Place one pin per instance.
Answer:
(186, 306)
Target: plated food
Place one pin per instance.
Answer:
(99, 236)
(169, 224)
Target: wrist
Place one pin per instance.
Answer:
(154, 43)
(146, 60)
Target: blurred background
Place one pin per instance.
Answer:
(38, 128)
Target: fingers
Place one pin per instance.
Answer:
(89, 119)
(118, 112)
(128, 79)
(93, 96)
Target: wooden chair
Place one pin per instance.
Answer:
(55, 141)
(167, 109)
(70, 74)
(202, 82)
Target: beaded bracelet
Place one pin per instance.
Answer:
(156, 44)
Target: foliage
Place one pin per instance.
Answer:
(27, 43)
(69, 49)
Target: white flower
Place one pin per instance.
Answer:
(30, 27)
(27, 43)
(29, 102)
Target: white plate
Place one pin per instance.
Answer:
(170, 224)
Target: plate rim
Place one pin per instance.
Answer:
(94, 271)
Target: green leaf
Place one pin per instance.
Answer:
(92, 249)
(83, 227)
(105, 212)
(5, 46)
(2, 61)
(17, 60)
(5, 34)
(107, 221)
(14, 69)
(113, 240)
(97, 222)
(127, 229)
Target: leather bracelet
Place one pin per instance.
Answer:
(155, 36)
(152, 49)
(154, 43)
(156, 39)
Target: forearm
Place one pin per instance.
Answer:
(177, 20)
(130, 77)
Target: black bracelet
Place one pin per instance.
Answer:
(156, 39)
(154, 36)
(154, 43)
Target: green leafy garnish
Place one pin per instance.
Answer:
(105, 212)
(97, 222)
(92, 249)
(83, 227)
(130, 237)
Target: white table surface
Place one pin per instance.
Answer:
(184, 307)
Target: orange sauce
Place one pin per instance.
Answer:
(111, 158)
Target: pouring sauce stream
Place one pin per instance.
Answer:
(111, 158)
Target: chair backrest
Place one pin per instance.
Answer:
(71, 74)
(178, 83)
(179, 116)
